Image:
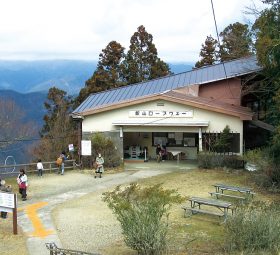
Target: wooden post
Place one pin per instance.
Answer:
(79, 141)
(15, 216)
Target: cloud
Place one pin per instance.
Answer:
(38, 29)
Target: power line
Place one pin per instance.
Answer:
(219, 43)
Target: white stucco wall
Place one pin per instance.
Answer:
(217, 121)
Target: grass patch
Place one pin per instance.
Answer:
(200, 234)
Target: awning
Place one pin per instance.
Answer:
(161, 122)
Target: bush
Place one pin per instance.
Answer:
(254, 228)
(105, 145)
(268, 174)
(212, 160)
(143, 214)
(258, 157)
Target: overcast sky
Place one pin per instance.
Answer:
(80, 29)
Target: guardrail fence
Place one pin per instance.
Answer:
(49, 167)
(54, 250)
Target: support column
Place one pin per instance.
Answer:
(241, 143)
(199, 139)
(79, 141)
(121, 132)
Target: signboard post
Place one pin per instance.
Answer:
(8, 203)
(86, 148)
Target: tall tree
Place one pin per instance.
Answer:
(108, 73)
(142, 62)
(236, 42)
(208, 52)
(267, 32)
(58, 130)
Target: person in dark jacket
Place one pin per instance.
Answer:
(159, 153)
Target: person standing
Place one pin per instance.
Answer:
(158, 153)
(40, 168)
(63, 156)
(4, 188)
(60, 162)
(99, 161)
(22, 183)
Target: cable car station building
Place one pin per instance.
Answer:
(180, 112)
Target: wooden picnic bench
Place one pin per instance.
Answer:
(218, 194)
(220, 188)
(197, 202)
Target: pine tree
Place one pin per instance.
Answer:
(236, 42)
(108, 73)
(208, 52)
(142, 62)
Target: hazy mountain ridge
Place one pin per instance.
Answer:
(68, 75)
(31, 76)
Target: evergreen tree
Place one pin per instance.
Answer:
(208, 52)
(108, 73)
(267, 33)
(142, 62)
(222, 144)
(236, 42)
(58, 130)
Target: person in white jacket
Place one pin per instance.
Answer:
(40, 168)
(22, 184)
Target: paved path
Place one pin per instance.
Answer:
(45, 194)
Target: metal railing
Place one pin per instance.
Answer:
(54, 250)
(30, 168)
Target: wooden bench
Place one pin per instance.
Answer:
(196, 210)
(220, 188)
(217, 194)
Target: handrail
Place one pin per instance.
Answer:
(54, 250)
(31, 167)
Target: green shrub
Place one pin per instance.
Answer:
(105, 145)
(258, 157)
(254, 228)
(143, 215)
(211, 160)
(268, 174)
(233, 161)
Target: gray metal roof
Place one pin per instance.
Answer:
(202, 75)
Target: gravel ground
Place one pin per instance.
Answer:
(92, 224)
(85, 223)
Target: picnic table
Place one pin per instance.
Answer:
(175, 153)
(220, 188)
(197, 202)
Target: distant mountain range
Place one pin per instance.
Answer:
(68, 75)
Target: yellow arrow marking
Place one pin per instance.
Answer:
(39, 229)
